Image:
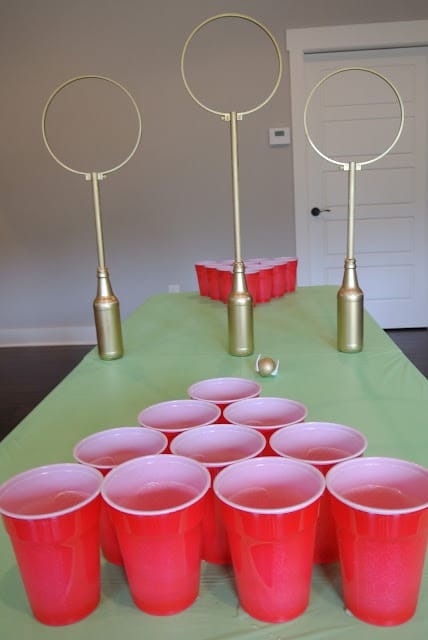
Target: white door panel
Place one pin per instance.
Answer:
(355, 116)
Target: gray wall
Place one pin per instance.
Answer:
(171, 205)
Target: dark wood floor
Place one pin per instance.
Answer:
(414, 344)
(28, 374)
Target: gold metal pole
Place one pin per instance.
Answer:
(351, 211)
(106, 305)
(95, 177)
(235, 184)
(350, 298)
(240, 301)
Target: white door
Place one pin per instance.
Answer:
(354, 116)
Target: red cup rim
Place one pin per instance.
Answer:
(373, 460)
(77, 453)
(44, 470)
(265, 427)
(216, 412)
(166, 459)
(193, 389)
(218, 428)
(263, 461)
(317, 425)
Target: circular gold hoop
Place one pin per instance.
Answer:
(243, 17)
(316, 87)
(55, 93)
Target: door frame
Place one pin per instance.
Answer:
(381, 35)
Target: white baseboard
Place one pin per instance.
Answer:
(45, 336)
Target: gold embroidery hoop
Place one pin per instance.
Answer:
(345, 165)
(248, 19)
(77, 79)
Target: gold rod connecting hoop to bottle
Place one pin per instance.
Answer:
(235, 185)
(95, 177)
(351, 211)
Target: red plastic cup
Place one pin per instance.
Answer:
(322, 444)
(262, 289)
(174, 416)
(290, 273)
(265, 283)
(278, 267)
(380, 506)
(225, 278)
(267, 415)
(270, 507)
(216, 447)
(202, 277)
(213, 280)
(51, 514)
(282, 281)
(106, 449)
(279, 280)
(252, 280)
(224, 391)
(157, 504)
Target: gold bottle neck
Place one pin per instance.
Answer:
(104, 288)
(239, 281)
(350, 279)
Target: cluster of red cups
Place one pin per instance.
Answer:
(266, 278)
(245, 481)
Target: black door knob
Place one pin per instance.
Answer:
(315, 211)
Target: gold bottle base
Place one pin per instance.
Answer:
(240, 318)
(108, 328)
(350, 311)
(107, 319)
(240, 314)
(349, 324)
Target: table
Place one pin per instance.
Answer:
(171, 341)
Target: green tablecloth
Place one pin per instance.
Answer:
(171, 341)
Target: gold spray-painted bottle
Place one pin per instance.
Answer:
(240, 314)
(107, 319)
(350, 310)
